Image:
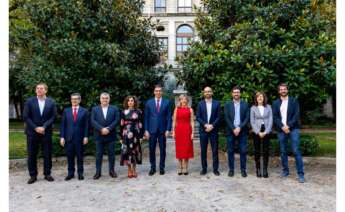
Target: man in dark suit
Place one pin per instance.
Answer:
(104, 119)
(157, 123)
(74, 134)
(208, 116)
(39, 114)
(237, 116)
(286, 119)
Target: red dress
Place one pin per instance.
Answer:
(183, 132)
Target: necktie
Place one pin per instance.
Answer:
(74, 114)
(157, 106)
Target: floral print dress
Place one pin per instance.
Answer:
(131, 133)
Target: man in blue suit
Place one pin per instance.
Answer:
(74, 130)
(208, 116)
(104, 119)
(39, 115)
(157, 123)
(286, 119)
(237, 116)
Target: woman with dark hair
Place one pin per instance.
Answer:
(261, 119)
(131, 134)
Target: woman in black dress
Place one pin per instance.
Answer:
(131, 135)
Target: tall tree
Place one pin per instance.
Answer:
(258, 43)
(87, 46)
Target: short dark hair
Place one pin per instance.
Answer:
(125, 102)
(283, 84)
(257, 94)
(76, 94)
(236, 88)
(158, 86)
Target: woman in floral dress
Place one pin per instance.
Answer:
(131, 134)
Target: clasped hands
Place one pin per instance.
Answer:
(208, 127)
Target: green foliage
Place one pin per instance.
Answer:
(309, 146)
(85, 46)
(258, 44)
(17, 146)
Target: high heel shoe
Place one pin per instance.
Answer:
(130, 174)
(179, 171)
(185, 171)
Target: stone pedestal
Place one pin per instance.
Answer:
(177, 92)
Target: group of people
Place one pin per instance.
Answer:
(155, 124)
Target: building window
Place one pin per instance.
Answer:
(163, 49)
(184, 6)
(160, 6)
(184, 35)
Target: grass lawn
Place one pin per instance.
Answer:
(327, 142)
(17, 145)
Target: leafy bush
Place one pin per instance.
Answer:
(308, 145)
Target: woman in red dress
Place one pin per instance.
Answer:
(183, 131)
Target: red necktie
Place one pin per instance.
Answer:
(157, 106)
(74, 114)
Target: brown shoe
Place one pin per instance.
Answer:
(49, 178)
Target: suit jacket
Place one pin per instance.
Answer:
(98, 122)
(74, 131)
(256, 119)
(293, 116)
(33, 118)
(155, 121)
(201, 115)
(229, 113)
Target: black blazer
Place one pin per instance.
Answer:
(98, 122)
(293, 116)
(229, 113)
(201, 115)
(74, 131)
(32, 116)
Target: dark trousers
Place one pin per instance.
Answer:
(160, 137)
(258, 143)
(33, 143)
(75, 149)
(100, 145)
(242, 143)
(204, 138)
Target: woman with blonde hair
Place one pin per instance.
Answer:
(183, 132)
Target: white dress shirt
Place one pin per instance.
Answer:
(261, 110)
(208, 109)
(105, 111)
(283, 110)
(41, 104)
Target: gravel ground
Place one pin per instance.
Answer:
(171, 192)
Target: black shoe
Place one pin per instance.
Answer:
(80, 177)
(152, 172)
(113, 174)
(265, 174)
(244, 173)
(161, 172)
(231, 173)
(96, 176)
(216, 172)
(203, 172)
(69, 177)
(32, 180)
(258, 173)
(49, 178)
